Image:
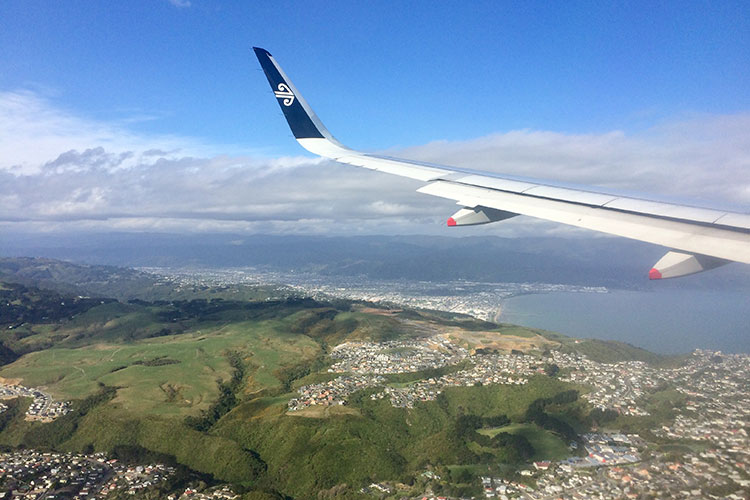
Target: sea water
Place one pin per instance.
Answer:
(668, 322)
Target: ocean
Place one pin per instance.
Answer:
(667, 322)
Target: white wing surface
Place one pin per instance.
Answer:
(701, 238)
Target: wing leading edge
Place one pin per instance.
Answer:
(702, 238)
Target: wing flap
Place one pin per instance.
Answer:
(511, 185)
(732, 219)
(704, 239)
(660, 209)
(575, 196)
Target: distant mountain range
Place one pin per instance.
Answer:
(615, 263)
(74, 278)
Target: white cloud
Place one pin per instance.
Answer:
(181, 4)
(60, 172)
(703, 157)
(34, 132)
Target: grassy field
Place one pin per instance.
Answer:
(611, 351)
(186, 381)
(108, 322)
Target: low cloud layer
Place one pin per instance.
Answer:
(60, 172)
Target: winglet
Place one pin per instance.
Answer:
(301, 119)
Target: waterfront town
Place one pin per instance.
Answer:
(477, 299)
(618, 386)
(485, 369)
(334, 392)
(702, 453)
(42, 408)
(400, 356)
(700, 449)
(615, 469)
(393, 357)
(45, 475)
(222, 492)
(34, 474)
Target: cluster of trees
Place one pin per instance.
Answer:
(21, 304)
(8, 415)
(159, 361)
(551, 369)
(324, 323)
(516, 447)
(537, 413)
(7, 355)
(511, 447)
(305, 322)
(227, 396)
(599, 416)
(213, 309)
(183, 310)
(289, 374)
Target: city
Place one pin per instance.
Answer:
(710, 430)
(701, 448)
(42, 408)
(45, 475)
(702, 452)
(480, 300)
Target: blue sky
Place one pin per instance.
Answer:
(116, 83)
(381, 74)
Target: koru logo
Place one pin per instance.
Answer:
(284, 93)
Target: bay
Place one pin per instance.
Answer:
(667, 322)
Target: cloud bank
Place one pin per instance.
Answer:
(62, 172)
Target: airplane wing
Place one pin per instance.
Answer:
(701, 238)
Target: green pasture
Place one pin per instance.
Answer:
(188, 384)
(516, 331)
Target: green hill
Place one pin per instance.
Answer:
(120, 283)
(69, 278)
(379, 442)
(207, 382)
